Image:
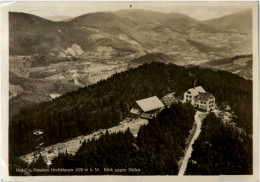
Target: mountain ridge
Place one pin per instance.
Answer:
(241, 25)
(144, 28)
(126, 11)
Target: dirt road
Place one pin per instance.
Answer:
(199, 116)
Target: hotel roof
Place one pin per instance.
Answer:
(197, 90)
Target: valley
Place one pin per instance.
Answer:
(86, 49)
(31, 85)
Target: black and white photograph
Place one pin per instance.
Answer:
(131, 89)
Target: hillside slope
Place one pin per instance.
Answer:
(116, 35)
(234, 22)
(24, 92)
(31, 34)
(106, 103)
(241, 65)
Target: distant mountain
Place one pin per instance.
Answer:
(132, 33)
(240, 21)
(30, 34)
(174, 21)
(142, 16)
(35, 35)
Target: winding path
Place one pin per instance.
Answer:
(199, 116)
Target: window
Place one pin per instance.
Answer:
(188, 92)
(190, 96)
(187, 96)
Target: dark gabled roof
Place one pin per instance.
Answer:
(204, 96)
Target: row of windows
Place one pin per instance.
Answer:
(188, 100)
(212, 101)
(203, 106)
(210, 106)
(197, 101)
(202, 102)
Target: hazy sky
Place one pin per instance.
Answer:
(197, 10)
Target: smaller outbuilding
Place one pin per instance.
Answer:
(150, 105)
(147, 108)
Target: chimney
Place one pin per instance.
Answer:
(194, 85)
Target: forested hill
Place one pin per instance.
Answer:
(220, 150)
(107, 102)
(153, 57)
(241, 65)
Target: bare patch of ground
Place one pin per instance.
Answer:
(72, 146)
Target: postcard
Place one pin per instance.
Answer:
(132, 91)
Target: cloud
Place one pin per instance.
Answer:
(208, 12)
(204, 14)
